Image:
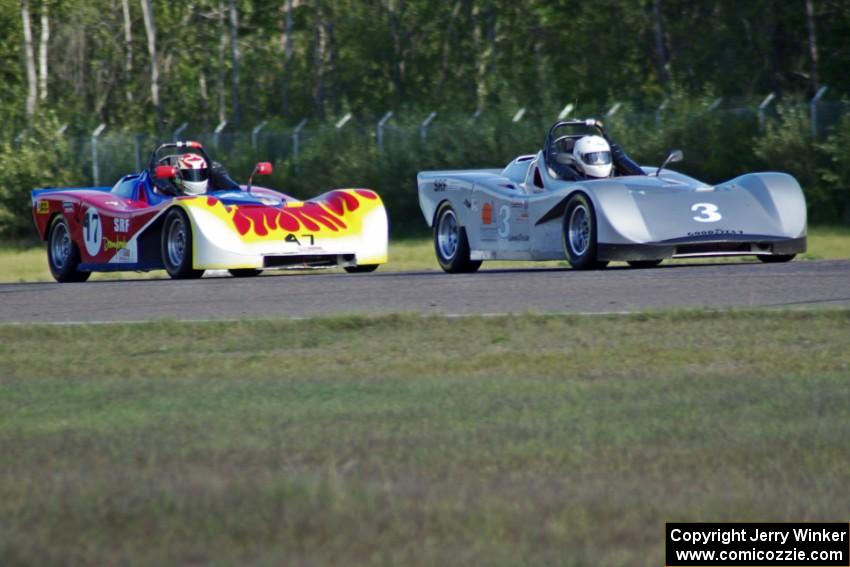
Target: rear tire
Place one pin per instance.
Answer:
(245, 272)
(450, 242)
(177, 246)
(776, 258)
(579, 234)
(640, 264)
(63, 255)
(363, 269)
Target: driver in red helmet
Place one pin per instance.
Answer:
(192, 174)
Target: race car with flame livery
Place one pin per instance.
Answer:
(143, 223)
(539, 208)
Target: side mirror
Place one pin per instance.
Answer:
(262, 168)
(165, 171)
(673, 157)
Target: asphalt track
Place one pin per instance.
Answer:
(544, 290)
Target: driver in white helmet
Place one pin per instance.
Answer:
(592, 155)
(192, 174)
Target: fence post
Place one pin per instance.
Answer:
(423, 128)
(566, 111)
(95, 170)
(659, 110)
(256, 132)
(475, 115)
(763, 107)
(180, 129)
(137, 149)
(713, 106)
(20, 137)
(613, 110)
(343, 121)
(380, 130)
(295, 136)
(217, 132)
(61, 130)
(519, 114)
(814, 110)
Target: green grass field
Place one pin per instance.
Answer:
(28, 262)
(416, 441)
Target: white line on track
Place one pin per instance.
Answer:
(300, 318)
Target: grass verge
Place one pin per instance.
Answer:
(28, 262)
(530, 439)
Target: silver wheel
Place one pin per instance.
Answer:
(176, 242)
(579, 230)
(60, 246)
(448, 235)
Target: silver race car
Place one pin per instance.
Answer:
(575, 200)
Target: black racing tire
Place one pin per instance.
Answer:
(641, 264)
(450, 242)
(245, 272)
(362, 269)
(177, 246)
(63, 254)
(776, 258)
(578, 235)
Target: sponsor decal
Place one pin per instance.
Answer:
(467, 203)
(43, 207)
(126, 251)
(488, 233)
(440, 185)
(121, 224)
(519, 238)
(487, 213)
(111, 203)
(68, 207)
(117, 244)
(521, 214)
(716, 232)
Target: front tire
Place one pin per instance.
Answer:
(177, 246)
(450, 242)
(362, 269)
(579, 234)
(776, 258)
(63, 255)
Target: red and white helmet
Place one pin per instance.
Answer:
(192, 174)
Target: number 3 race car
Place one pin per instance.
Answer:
(548, 207)
(145, 222)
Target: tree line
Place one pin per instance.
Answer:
(151, 65)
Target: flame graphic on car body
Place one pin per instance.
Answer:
(335, 214)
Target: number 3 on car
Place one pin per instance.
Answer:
(708, 212)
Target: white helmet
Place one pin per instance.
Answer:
(192, 174)
(593, 156)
